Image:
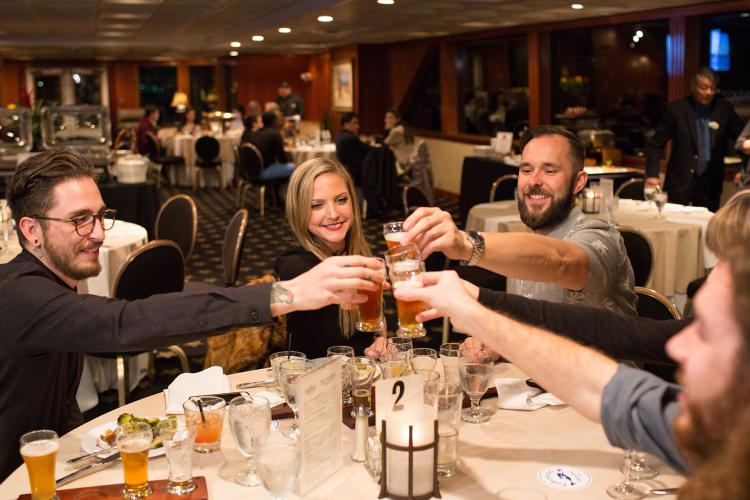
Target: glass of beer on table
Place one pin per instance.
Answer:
(371, 312)
(206, 414)
(393, 232)
(406, 270)
(39, 451)
(134, 440)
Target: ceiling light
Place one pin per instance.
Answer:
(77, 78)
(258, 38)
(576, 6)
(285, 30)
(234, 53)
(235, 45)
(386, 2)
(745, 14)
(639, 34)
(325, 19)
(635, 38)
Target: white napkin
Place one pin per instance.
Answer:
(492, 223)
(273, 398)
(682, 209)
(514, 394)
(209, 381)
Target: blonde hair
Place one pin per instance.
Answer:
(298, 206)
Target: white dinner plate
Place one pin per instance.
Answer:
(92, 443)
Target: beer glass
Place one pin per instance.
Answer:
(406, 272)
(289, 372)
(276, 358)
(475, 368)
(393, 232)
(371, 312)
(396, 359)
(134, 440)
(39, 451)
(206, 414)
(344, 352)
(178, 439)
(249, 417)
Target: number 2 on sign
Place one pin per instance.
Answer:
(400, 388)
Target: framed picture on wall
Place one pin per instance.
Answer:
(342, 86)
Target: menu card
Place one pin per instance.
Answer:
(319, 400)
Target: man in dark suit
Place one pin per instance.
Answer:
(350, 150)
(699, 126)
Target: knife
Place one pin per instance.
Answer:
(664, 491)
(259, 383)
(89, 469)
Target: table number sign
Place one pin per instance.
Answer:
(319, 400)
(397, 394)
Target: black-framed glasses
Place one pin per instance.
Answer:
(84, 224)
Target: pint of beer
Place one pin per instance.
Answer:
(134, 440)
(371, 312)
(408, 273)
(393, 232)
(39, 451)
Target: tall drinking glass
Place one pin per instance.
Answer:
(39, 451)
(475, 368)
(449, 358)
(249, 417)
(423, 359)
(206, 414)
(276, 358)
(396, 359)
(660, 199)
(448, 398)
(393, 232)
(648, 193)
(178, 439)
(406, 270)
(361, 373)
(134, 440)
(345, 353)
(371, 317)
(289, 372)
(279, 461)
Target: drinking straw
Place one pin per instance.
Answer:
(200, 407)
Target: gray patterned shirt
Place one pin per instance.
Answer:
(610, 284)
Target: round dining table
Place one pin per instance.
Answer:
(183, 145)
(501, 458)
(302, 153)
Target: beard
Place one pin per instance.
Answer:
(66, 263)
(554, 215)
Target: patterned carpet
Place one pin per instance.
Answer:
(266, 239)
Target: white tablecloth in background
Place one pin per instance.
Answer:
(300, 154)
(184, 146)
(680, 255)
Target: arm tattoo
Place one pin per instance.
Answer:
(280, 295)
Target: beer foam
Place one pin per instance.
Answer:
(405, 266)
(397, 237)
(39, 448)
(135, 445)
(407, 284)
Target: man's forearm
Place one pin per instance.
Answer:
(574, 373)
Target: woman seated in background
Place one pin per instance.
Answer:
(398, 138)
(323, 213)
(190, 127)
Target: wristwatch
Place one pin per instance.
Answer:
(477, 242)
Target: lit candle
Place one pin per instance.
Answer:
(590, 201)
(422, 421)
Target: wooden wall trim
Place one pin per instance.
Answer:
(448, 89)
(676, 65)
(539, 78)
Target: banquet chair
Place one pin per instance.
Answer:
(413, 198)
(504, 188)
(640, 252)
(207, 152)
(177, 221)
(157, 267)
(158, 158)
(126, 139)
(250, 166)
(655, 305)
(631, 189)
(231, 253)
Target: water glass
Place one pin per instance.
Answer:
(475, 369)
(625, 490)
(249, 417)
(279, 462)
(361, 373)
(423, 359)
(660, 199)
(448, 399)
(449, 358)
(289, 372)
(206, 414)
(345, 353)
(178, 439)
(648, 193)
(396, 358)
(134, 440)
(276, 358)
(39, 452)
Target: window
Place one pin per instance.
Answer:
(47, 89)
(423, 111)
(725, 43)
(611, 77)
(203, 96)
(493, 78)
(157, 87)
(87, 85)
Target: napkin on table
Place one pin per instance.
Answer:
(514, 394)
(209, 381)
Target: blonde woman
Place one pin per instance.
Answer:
(323, 212)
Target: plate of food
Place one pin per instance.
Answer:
(102, 437)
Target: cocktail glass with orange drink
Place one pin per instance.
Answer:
(206, 414)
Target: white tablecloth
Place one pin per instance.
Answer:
(300, 154)
(184, 146)
(506, 452)
(680, 255)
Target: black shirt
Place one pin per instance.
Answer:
(291, 105)
(45, 327)
(351, 153)
(268, 141)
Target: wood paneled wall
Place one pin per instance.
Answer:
(11, 80)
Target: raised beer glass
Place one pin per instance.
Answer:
(393, 232)
(134, 440)
(39, 451)
(371, 312)
(406, 271)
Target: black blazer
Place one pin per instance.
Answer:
(678, 124)
(268, 140)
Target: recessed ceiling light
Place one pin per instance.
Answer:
(325, 19)
(639, 34)
(576, 6)
(235, 44)
(745, 14)
(636, 38)
(285, 30)
(258, 38)
(234, 53)
(386, 2)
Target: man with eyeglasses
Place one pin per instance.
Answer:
(45, 326)
(699, 126)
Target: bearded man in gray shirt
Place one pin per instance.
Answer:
(568, 258)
